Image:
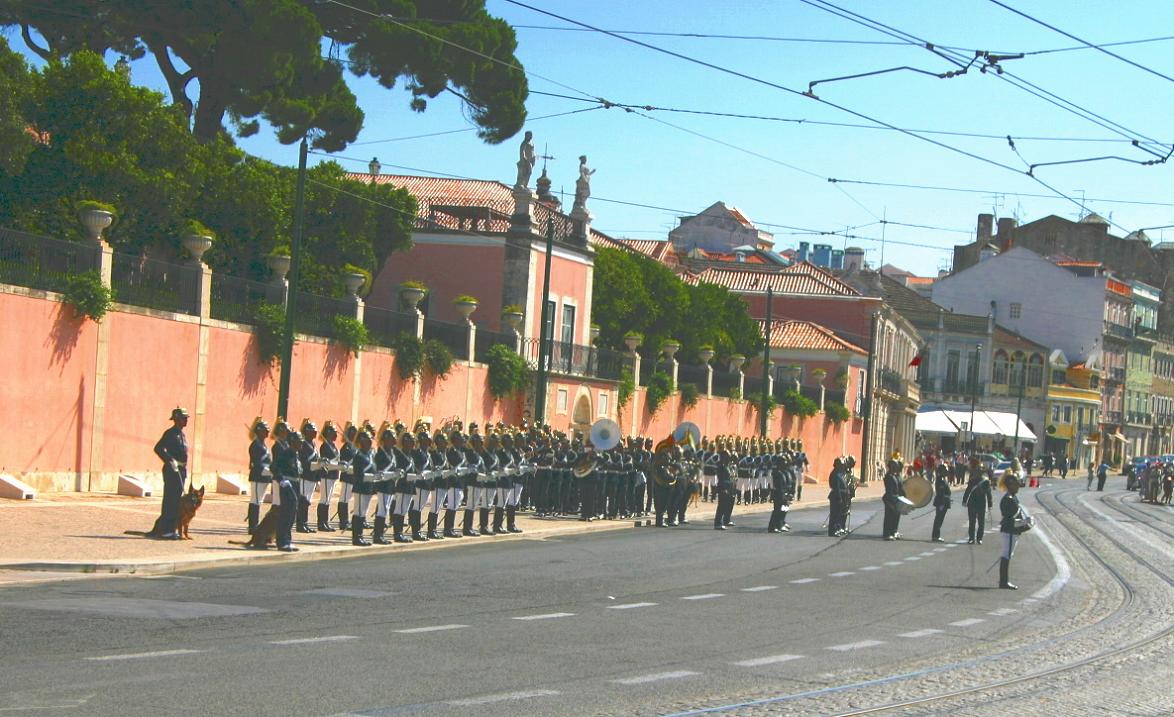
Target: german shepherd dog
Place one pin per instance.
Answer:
(264, 533)
(189, 503)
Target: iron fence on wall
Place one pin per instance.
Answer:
(40, 262)
(154, 283)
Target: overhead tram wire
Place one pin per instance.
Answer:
(1070, 36)
(473, 129)
(607, 104)
(964, 190)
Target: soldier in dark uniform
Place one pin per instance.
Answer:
(327, 453)
(1009, 508)
(587, 483)
(722, 517)
(978, 499)
(507, 471)
(544, 488)
(415, 460)
(438, 457)
(287, 470)
(473, 488)
(893, 491)
(460, 471)
(489, 457)
(346, 456)
(801, 464)
(782, 489)
(310, 475)
(260, 476)
(361, 479)
(386, 460)
(837, 499)
(941, 500)
(172, 449)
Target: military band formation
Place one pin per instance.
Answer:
(422, 480)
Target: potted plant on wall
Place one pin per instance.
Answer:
(670, 347)
(819, 375)
(705, 353)
(95, 216)
(512, 316)
(279, 261)
(842, 378)
(736, 361)
(412, 292)
(196, 239)
(632, 340)
(465, 305)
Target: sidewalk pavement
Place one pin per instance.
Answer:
(75, 534)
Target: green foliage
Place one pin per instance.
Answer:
(197, 228)
(269, 331)
(466, 299)
(88, 205)
(771, 405)
(413, 284)
(735, 393)
(438, 358)
(799, 405)
(660, 387)
(689, 394)
(636, 295)
(88, 296)
(367, 278)
(508, 372)
(631, 334)
(109, 140)
(626, 388)
(836, 412)
(350, 332)
(512, 309)
(263, 59)
(409, 355)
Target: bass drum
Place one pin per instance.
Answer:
(918, 493)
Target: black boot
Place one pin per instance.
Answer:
(1004, 576)
(414, 521)
(254, 514)
(484, 521)
(467, 528)
(304, 516)
(377, 533)
(509, 518)
(432, 534)
(344, 523)
(450, 520)
(397, 526)
(498, 514)
(324, 519)
(357, 535)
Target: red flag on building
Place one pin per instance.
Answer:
(916, 361)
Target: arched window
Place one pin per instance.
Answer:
(1035, 371)
(1015, 378)
(1000, 375)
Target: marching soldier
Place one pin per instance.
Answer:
(978, 500)
(455, 483)
(287, 469)
(893, 491)
(544, 480)
(782, 485)
(327, 453)
(722, 517)
(837, 499)
(489, 457)
(941, 500)
(474, 492)
(1010, 509)
(172, 449)
(801, 464)
(346, 456)
(435, 496)
(506, 478)
(310, 475)
(386, 461)
(361, 475)
(260, 477)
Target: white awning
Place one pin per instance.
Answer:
(1005, 425)
(935, 422)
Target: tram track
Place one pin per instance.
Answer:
(1057, 504)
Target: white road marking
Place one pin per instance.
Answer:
(773, 659)
(547, 616)
(144, 655)
(503, 697)
(1003, 611)
(432, 628)
(642, 679)
(870, 568)
(308, 640)
(920, 633)
(893, 563)
(939, 550)
(961, 541)
(759, 588)
(926, 554)
(1063, 572)
(804, 581)
(967, 622)
(347, 592)
(912, 558)
(841, 574)
(630, 605)
(856, 645)
(706, 596)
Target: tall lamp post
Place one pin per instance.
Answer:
(292, 295)
(1019, 411)
(763, 417)
(543, 346)
(974, 394)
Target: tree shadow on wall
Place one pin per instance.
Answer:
(253, 372)
(337, 359)
(63, 336)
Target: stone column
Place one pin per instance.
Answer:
(822, 396)
(582, 225)
(522, 220)
(201, 300)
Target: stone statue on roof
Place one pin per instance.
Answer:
(526, 159)
(583, 184)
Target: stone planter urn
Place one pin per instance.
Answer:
(412, 295)
(594, 333)
(353, 282)
(633, 343)
(196, 245)
(819, 375)
(95, 221)
(706, 355)
(465, 308)
(279, 264)
(512, 319)
(670, 349)
(736, 362)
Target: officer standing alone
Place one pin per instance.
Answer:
(172, 449)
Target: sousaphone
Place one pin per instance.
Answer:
(605, 434)
(687, 433)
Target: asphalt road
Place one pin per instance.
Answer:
(634, 621)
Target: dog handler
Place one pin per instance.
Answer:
(172, 449)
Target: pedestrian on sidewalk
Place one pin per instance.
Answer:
(1092, 473)
(941, 501)
(1102, 476)
(172, 449)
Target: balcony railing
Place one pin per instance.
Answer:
(1118, 330)
(1115, 374)
(454, 336)
(41, 262)
(386, 325)
(1112, 417)
(150, 282)
(576, 360)
(236, 299)
(314, 314)
(892, 382)
(487, 339)
(1139, 418)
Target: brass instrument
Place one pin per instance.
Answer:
(918, 493)
(584, 466)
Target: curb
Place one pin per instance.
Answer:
(272, 556)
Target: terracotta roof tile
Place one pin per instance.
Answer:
(801, 278)
(792, 334)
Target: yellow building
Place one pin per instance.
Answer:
(1073, 410)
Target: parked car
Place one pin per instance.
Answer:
(995, 463)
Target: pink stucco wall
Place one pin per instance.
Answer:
(569, 284)
(449, 270)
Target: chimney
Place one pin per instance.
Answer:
(853, 259)
(984, 228)
(1006, 233)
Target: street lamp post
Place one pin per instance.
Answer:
(763, 417)
(974, 394)
(543, 346)
(292, 294)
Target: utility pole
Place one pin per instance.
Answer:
(763, 417)
(292, 294)
(974, 394)
(543, 340)
(866, 409)
(1019, 411)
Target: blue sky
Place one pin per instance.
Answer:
(777, 172)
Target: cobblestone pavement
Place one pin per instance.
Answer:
(1131, 602)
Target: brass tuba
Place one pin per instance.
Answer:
(666, 469)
